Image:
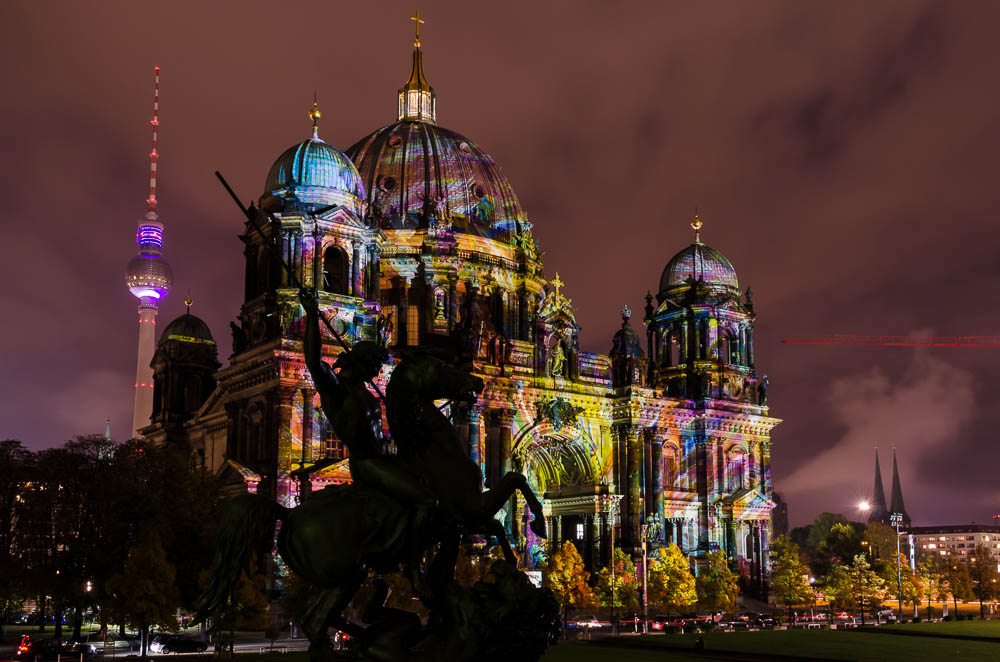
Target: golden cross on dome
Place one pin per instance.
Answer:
(417, 21)
(187, 302)
(314, 113)
(556, 283)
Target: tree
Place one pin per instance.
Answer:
(716, 585)
(866, 585)
(565, 576)
(670, 584)
(932, 576)
(983, 573)
(13, 459)
(959, 581)
(912, 585)
(820, 529)
(625, 588)
(880, 539)
(145, 594)
(840, 546)
(247, 609)
(790, 575)
(838, 589)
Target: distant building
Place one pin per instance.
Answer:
(958, 540)
(779, 515)
(879, 512)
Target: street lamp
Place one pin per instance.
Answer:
(611, 503)
(896, 519)
(651, 528)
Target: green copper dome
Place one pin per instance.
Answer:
(315, 174)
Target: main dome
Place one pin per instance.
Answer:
(412, 166)
(315, 174)
(700, 263)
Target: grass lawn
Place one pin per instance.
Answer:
(826, 644)
(580, 651)
(969, 628)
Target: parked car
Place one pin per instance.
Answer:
(164, 644)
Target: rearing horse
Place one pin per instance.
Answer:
(426, 440)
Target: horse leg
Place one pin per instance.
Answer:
(492, 500)
(324, 611)
(442, 569)
(491, 527)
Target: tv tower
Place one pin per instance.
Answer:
(148, 277)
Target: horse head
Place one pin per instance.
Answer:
(422, 375)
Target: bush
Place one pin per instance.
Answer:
(916, 619)
(949, 617)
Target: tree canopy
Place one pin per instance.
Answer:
(670, 586)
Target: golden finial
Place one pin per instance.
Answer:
(314, 115)
(417, 21)
(696, 224)
(556, 283)
(187, 302)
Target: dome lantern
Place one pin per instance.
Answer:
(416, 97)
(315, 174)
(699, 263)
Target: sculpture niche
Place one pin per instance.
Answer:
(398, 507)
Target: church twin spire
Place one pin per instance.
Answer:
(416, 97)
(879, 511)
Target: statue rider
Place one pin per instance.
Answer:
(356, 417)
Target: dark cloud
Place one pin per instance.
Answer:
(842, 156)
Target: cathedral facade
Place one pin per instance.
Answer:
(414, 237)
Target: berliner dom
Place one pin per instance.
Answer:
(414, 238)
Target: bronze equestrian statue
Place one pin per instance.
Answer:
(397, 508)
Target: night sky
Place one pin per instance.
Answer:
(842, 155)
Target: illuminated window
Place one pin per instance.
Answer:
(579, 531)
(413, 325)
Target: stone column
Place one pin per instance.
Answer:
(506, 438)
(522, 314)
(452, 302)
(750, 347)
(596, 536)
(374, 277)
(404, 312)
(356, 269)
(634, 477)
(657, 480)
(701, 471)
(475, 416)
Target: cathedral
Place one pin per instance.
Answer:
(414, 237)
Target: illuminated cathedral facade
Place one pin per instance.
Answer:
(413, 236)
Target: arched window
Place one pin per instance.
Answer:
(250, 283)
(735, 470)
(724, 346)
(263, 271)
(703, 339)
(670, 468)
(674, 348)
(335, 279)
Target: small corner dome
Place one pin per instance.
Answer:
(188, 328)
(702, 263)
(315, 174)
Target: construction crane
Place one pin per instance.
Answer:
(893, 341)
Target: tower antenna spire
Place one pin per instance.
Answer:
(154, 155)
(148, 277)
